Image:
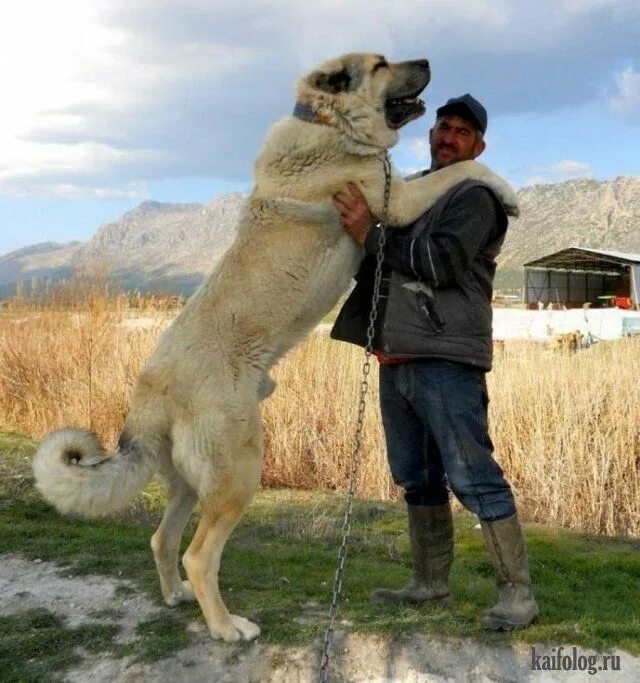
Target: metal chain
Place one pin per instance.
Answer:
(355, 458)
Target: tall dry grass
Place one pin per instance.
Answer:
(72, 359)
(566, 427)
(567, 431)
(310, 421)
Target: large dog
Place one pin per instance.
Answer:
(194, 415)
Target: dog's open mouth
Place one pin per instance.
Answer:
(400, 110)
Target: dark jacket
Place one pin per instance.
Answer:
(437, 282)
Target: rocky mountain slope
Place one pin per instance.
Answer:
(583, 213)
(171, 247)
(164, 247)
(168, 246)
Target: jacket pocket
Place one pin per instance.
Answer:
(427, 308)
(426, 304)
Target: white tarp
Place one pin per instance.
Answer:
(602, 323)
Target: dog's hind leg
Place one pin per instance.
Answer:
(221, 511)
(165, 543)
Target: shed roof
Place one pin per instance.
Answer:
(581, 258)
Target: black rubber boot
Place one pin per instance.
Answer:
(431, 534)
(516, 607)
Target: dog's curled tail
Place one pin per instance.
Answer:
(74, 472)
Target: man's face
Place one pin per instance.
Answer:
(454, 139)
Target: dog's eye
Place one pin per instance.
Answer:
(382, 64)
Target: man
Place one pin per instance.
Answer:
(433, 341)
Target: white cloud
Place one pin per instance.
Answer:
(131, 191)
(105, 93)
(404, 171)
(627, 100)
(42, 50)
(333, 26)
(571, 169)
(558, 172)
(587, 6)
(32, 168)
(419, 148)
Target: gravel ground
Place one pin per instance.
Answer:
(417, 659)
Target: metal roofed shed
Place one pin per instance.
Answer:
(576, 276)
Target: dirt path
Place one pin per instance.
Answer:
(417, 659)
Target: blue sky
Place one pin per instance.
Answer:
(108, 103)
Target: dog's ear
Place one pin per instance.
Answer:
(334, 82)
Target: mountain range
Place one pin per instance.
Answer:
(172, 247)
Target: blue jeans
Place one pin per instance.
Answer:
(435, 421)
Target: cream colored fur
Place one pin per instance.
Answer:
(194, 413)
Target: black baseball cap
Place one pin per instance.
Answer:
(467, 107)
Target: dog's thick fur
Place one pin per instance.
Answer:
(194, 414)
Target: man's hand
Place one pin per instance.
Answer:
(354, 212)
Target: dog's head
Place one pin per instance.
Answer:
(365, 96)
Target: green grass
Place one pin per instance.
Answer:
(278, 571)
(35, 644)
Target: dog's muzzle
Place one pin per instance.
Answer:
(400, 112)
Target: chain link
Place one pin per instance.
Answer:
(355, 458)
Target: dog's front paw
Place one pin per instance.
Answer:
(506, 193)
(247, 628)
(238, 628)
(513, 210)
(509, 198)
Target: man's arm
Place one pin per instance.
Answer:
(442, 257)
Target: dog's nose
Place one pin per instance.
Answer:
(424, 63)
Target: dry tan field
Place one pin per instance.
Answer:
(566, 426)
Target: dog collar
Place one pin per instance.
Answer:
(305, 112)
